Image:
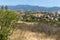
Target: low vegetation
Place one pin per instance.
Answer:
(8, 20)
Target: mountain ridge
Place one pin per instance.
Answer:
(34, 8)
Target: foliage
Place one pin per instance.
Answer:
(29, 18)
(8, 20)
(6, 7)
(44, 19)
(2, 7)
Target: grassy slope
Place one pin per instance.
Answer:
(26, 31)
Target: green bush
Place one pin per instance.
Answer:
(8, 20)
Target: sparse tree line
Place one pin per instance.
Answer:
(4, 7)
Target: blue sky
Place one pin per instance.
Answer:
(46, 3)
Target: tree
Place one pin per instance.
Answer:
(2, 7)
(8, 22)
(6, 7)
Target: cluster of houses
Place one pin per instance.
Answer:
(54, 16)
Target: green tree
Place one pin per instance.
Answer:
(2, 7)
(6, 7)
(8, 22)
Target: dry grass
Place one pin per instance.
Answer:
(27, 35)
(35, 31)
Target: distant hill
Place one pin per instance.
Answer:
(33, 8)
(27, 8)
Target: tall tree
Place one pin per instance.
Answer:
(6, 7)
(2, 7)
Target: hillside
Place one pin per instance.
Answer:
(30, 29)
(35, 32)
(34, 8)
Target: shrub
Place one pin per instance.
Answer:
(8, 20)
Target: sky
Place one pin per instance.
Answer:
(45, 3)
